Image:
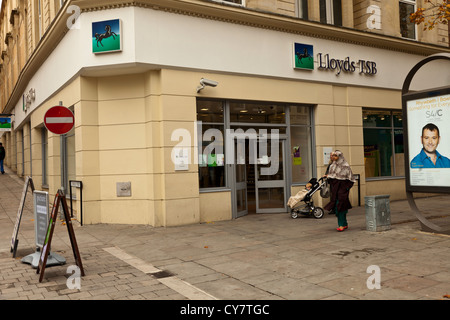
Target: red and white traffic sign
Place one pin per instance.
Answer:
(59, 120)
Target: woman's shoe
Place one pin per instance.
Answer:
(340, 229)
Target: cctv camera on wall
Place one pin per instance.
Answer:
(206, 82)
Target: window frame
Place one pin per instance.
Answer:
(392, 128)
(312, 137)
(230, 2)
(224, 123)
(301, 9)
(227, 124)
(330, 12)
(414, 4)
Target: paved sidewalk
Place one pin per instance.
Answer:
(256, 257)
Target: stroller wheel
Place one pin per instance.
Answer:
(318, 212)
(294, 214)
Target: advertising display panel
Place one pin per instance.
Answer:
(427, 116)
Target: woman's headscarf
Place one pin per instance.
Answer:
(340, 169)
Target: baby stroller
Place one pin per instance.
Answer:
(306, 205)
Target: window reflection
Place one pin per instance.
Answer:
(383, 143)
(257, 113)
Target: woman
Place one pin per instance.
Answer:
(341, 179)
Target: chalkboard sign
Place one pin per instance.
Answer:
(40, 216)
(60, 200)
(14, 239)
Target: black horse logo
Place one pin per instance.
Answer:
(108, 33)
(304, 55)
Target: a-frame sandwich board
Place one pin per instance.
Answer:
(60, 200)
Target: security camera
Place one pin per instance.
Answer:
(206, 82)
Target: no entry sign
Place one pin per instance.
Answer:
(59, 120)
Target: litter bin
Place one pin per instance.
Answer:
(378, 213)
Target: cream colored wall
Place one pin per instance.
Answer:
(123, 134)
(338, 114)
(395, 188)
(26, 149)
(36, 151)
(215, 206)
(170, 107)
(18, 141)
(340, 124)
(124, 126)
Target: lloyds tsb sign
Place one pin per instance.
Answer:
(346, 65)
(304, 58)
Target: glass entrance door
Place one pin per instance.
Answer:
(241, 190)
(270, 180)
(240, 174)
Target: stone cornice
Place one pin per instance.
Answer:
(230, 13)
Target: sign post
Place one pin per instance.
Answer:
(60, 200)
(40, 226)
(59, 120)
(14, 239)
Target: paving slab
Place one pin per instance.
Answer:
(268, 257)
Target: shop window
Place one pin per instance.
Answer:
(251, 112)
(301, 144)
(383, 143)
(331, 12)
(407, 28)
(211, 157)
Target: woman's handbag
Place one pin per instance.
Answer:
(326, 190)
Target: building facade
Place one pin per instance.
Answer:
(155, 144)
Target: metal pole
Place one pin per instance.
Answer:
(62, 145)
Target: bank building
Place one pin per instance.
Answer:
(175, 100)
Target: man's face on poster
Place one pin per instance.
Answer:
(430, 140)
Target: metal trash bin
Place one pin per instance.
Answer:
(378, 213)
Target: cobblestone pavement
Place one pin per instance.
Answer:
(256, 257)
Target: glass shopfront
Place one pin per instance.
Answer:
(255, 149)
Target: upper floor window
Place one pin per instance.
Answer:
(331, 12)
(302, 9)
(407, 28)
(240, 2)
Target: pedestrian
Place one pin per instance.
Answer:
(341, 180)
(325, 175)
(2, 157)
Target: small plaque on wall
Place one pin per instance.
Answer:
(123, 189)
(181, 159)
